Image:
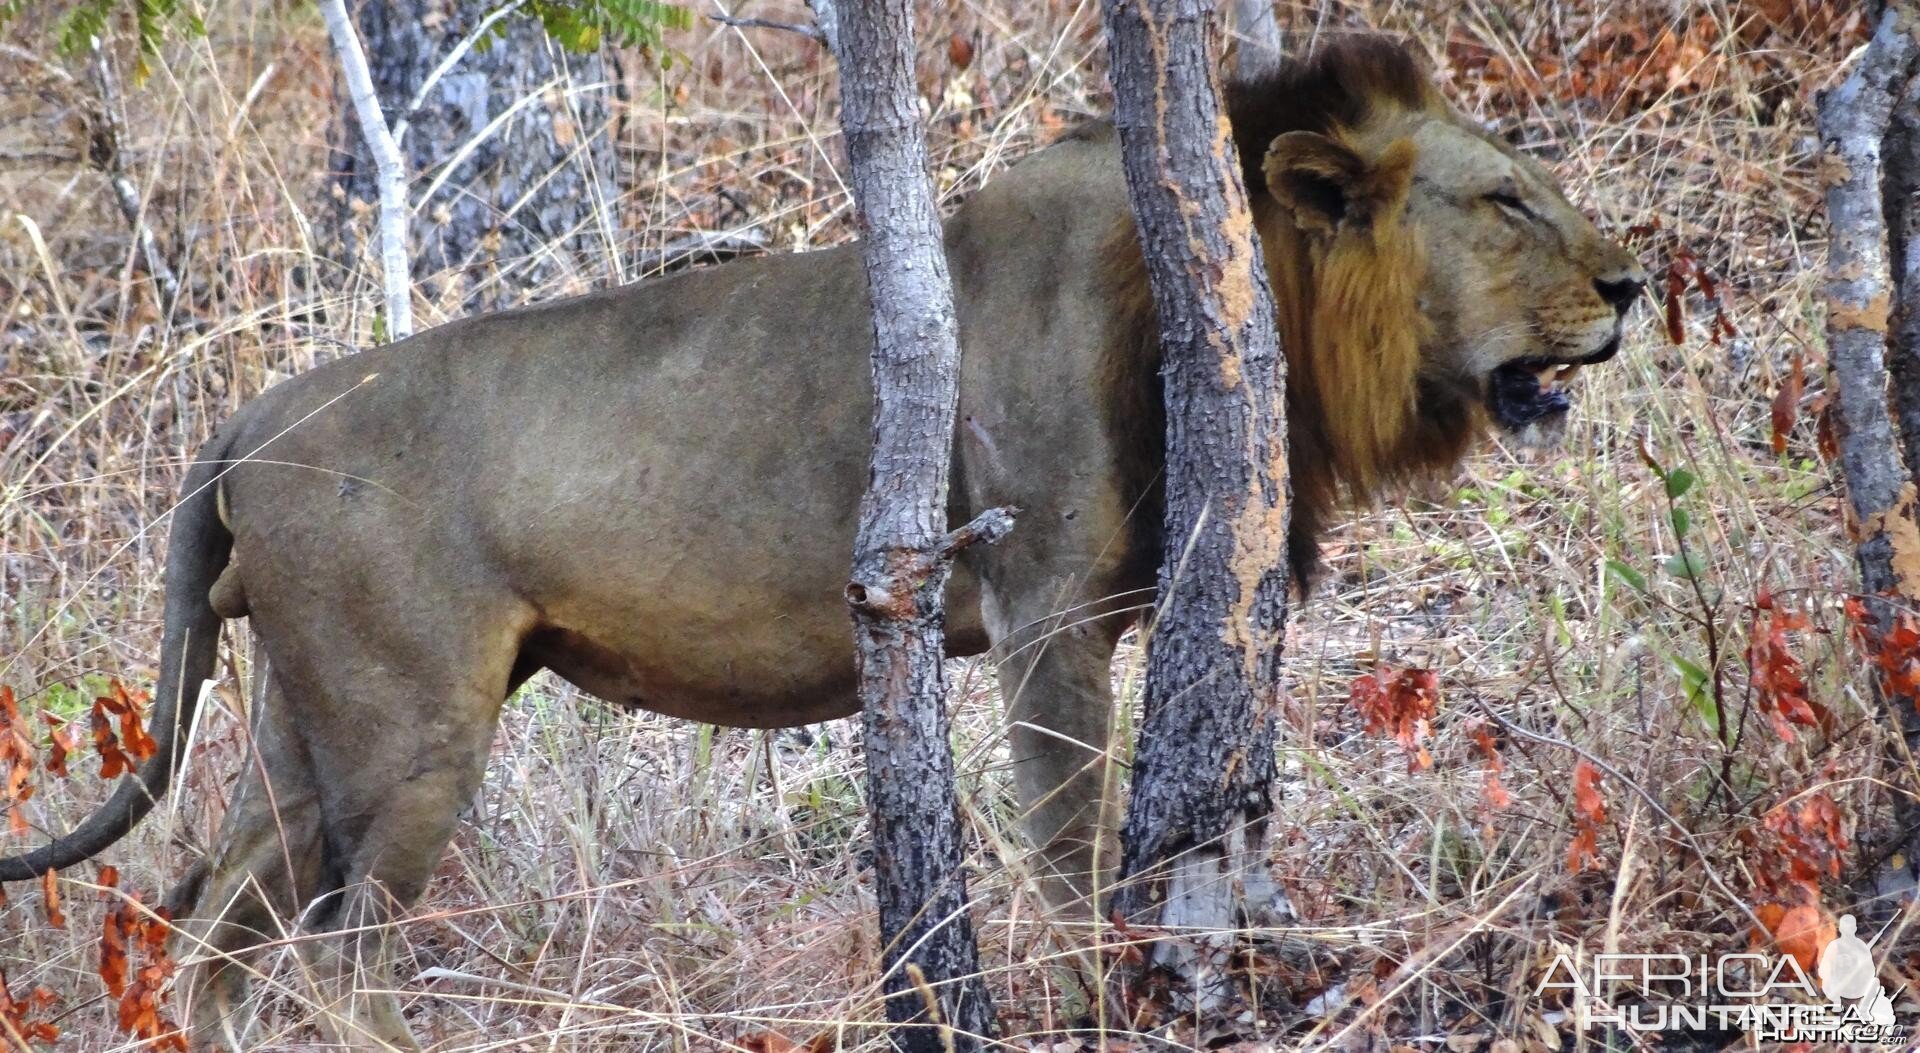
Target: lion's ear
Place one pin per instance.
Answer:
(1325, 183)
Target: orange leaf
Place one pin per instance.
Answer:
(50, 893)
(1401, 704)
(959, 51)
(113, 950)
(1581, 850)
(113, 762)
(1586, 792)
(1800, 930)
(1786, 404)
(66, 740)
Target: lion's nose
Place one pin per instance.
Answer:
(1620, 292)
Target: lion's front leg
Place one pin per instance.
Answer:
(1055, 673)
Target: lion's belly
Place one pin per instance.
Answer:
(757, 662)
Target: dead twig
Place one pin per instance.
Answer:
(106, 153)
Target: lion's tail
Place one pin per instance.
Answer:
(196, 554)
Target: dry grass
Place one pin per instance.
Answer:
(637, 882)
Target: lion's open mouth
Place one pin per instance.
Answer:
(1529, 391)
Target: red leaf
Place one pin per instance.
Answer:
(959, 51)
(50, 894)
(1775, 673)
(113, 762)
(1401, 704)
(66, 741)
(16, 762)
(1786, 404)
(1586, 792)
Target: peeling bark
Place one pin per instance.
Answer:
(1195, 836)
(1854, 123)
(904, 554)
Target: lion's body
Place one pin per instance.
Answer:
(657, 486)
(652, 491)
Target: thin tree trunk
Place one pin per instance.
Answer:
(1196, 827)
(389, 171)
(903, 554)
(507, 147)
(1854, 119)
(1258, 48)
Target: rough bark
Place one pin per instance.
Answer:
(1901, 185)
(1195, 833)
(1854, 122)
(903, 553)
(522, 125)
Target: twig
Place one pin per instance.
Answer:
(453, 58)
(1686, 835)
(828, 20)
(105, 153)
(813, 33)
(719, 245)
(389, 168)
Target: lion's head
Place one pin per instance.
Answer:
(1429, 278)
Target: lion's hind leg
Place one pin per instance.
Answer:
(396, 716)
(266, 860)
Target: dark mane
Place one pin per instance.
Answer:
(1340, 87)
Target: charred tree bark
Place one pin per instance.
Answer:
(1854, 120)
(903, 554)
(507, 149)
(1195, 833)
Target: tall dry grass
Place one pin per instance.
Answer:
(636, 882)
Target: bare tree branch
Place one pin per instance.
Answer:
(810, 32)
(396, 273)
(107, 153)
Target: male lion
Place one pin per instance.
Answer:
(651, 491)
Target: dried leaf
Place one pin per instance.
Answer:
(1775, 673)
(1786, 404)
(50, 895)
(66, 741)
(959, 51)
(1401, 704)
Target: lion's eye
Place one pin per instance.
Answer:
(1510, 201)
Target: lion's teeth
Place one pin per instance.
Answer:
(1554, 376)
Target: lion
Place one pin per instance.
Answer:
(652, 491)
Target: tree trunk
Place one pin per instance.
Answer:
(903, 554)
(1258, 48)
(1854, 119)
(523, 124)
(1195, 834)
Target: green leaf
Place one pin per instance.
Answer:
(1684, 565)
(1632, 577)
(1679, 481)
(1695, 680)
(1681, 522)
